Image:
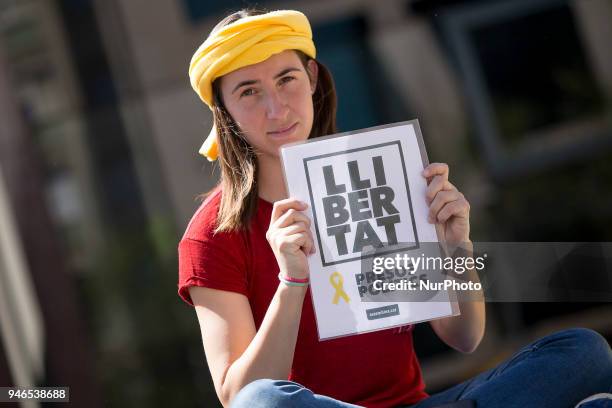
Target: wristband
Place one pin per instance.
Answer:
(293, 281)
(296, 280)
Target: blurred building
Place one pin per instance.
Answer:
(99, 171)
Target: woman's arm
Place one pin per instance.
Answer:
(464, 332)
(237, 354)
(451, 211)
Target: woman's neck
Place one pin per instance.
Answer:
(271, 186)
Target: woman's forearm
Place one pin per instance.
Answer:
(464, 332)
(270, 353)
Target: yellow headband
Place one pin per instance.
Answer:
(247, 41)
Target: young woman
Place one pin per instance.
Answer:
(258, 73)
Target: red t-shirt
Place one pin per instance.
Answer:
(377, 369)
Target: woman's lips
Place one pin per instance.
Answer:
(285, 131)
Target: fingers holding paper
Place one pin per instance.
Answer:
(290, 237)
(447, 205)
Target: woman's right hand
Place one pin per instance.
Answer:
(290, 237)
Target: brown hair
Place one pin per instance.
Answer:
(237, 159)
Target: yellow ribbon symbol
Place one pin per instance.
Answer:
(337, 284)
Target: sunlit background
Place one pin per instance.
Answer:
(99, 172)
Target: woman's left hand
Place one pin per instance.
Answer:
(447, 206)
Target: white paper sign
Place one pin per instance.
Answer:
(366, 198)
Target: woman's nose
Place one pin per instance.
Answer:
(276, 106)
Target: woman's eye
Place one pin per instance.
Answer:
(247, 92)
(252, 91)
(286, 79)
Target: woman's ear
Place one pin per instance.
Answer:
(313, 73)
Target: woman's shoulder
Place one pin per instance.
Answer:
(211, 259)
(203, 222)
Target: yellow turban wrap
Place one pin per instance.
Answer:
(247, 41)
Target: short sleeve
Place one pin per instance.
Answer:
(216, 261)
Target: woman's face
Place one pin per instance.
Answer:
(271, 101)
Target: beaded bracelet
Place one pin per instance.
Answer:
(293, 281)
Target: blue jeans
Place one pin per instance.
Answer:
(555, 371)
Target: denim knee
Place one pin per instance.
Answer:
(590, 351)
(266, 392)
(589, 344)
